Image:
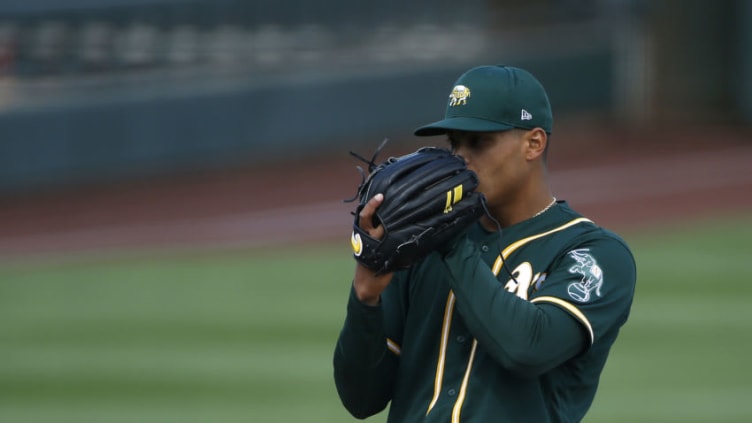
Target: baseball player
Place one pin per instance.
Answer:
(513, 319)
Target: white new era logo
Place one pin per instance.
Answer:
(526, 115)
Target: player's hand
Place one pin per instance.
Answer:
(367, 285)
(365, 219)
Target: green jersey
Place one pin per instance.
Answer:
(510, 327)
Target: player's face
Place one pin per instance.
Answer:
(498, 158)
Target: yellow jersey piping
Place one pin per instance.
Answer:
(393, 347)
(571, 309)
(515, 245)
(457, 410)
(448, 312)
(496, 269)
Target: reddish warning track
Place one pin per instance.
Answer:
(619, 180)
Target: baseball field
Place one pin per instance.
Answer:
(248, 336)
(246, 333)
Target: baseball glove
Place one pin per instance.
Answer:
(429, 199)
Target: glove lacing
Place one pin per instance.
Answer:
(371, 166)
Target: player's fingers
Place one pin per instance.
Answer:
(369, 210)
(366, 217)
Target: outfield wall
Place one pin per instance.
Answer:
(94, 92)
(123, 136)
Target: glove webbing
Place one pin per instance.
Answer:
(371, 166)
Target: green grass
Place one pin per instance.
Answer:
(683, 355)
(249, 336)
(184, 339)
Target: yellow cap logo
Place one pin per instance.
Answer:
(357, 244)
(459, 96)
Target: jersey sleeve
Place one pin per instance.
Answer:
(367, 351)
(594, 282)
(524, 338)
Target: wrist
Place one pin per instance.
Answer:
(366, 297)
(368, 286)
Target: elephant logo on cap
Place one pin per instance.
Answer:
(459, 96)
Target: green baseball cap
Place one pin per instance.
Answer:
(494, 98)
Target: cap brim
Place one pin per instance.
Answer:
(461, 124)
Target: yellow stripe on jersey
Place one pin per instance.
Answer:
(496, 269)
(393, 347)
(570, 308)
(515, 245)
(448, 312)
(463, 389)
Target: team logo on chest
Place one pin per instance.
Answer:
(524, 278)
(592, 276)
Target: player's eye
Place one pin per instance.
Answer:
(467, 140)
(473, 143)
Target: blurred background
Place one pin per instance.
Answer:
(122, 89)
(172, 175)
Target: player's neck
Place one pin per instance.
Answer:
(520, 210)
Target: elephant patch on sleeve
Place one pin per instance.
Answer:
(592, 276)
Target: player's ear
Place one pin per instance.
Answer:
(536, 142)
